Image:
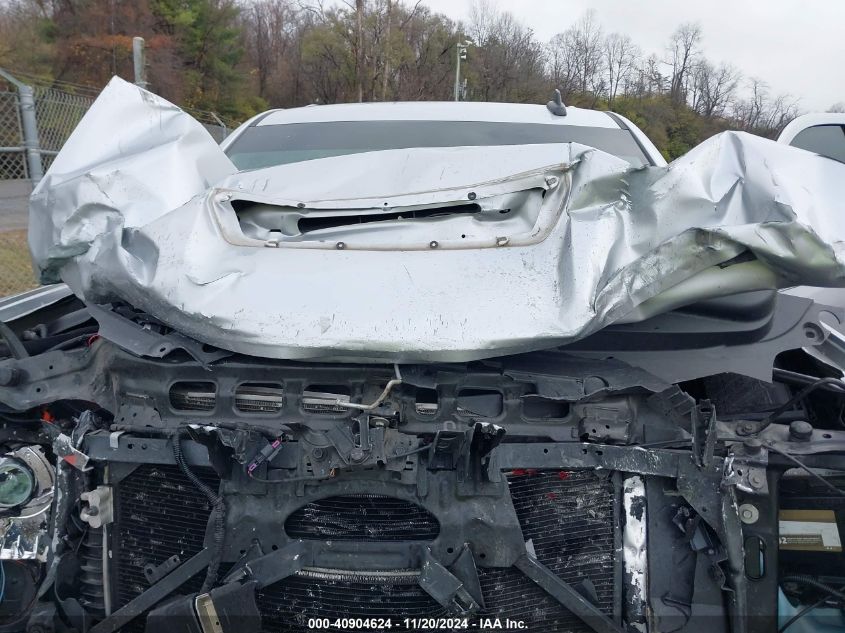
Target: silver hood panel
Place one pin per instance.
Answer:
(421, 254)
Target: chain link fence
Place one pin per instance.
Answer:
(58, 113)
(12, 163)
(23, 150)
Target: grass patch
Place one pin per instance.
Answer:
(16, 274)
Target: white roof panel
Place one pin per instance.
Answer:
(438, 111)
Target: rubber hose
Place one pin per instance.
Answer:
(218, 508)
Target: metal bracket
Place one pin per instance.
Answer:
(64, 448)
(603, 424)
(100, 509)
(445, 587)
(564, 593)
(703, 432)
(468, 451)
(154, 594)
(154, 573)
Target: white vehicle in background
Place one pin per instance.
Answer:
(285, 136)
(820, 132)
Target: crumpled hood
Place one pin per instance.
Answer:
(419, 254)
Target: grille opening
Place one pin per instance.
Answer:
(426, 401)
(259, 397)
(488, 403)
(324, 398)
(287, 605)
(539, 408)
(307, 224)
(143, 538)
(193, 396)
(362, 518)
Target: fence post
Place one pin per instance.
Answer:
(221, 124)
(138, 62)
(29, 123)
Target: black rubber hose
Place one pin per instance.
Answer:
(835, 383)
(804, 612)
(810, 581)
(218, 508)
(13, 343)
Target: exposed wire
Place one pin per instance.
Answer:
(2, 581)
(802, 613)
(807, 469)
(418, 449)
(292, 480)
(385, 392)
(816, 584)
(675, 442)
(332, 474)
(795, 377)
(218, 507)
(798, 397)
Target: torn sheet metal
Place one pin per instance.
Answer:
(635, 552)
(478, 251)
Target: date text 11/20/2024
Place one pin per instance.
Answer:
(418, 624)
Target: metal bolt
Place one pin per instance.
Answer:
(756, 480)
(471, 195)
(318, 453)
(748, 513)
(801, 430)
(300, 205)
(9, 376)
(551, 181)
(752, 445)
(433, 244)
(502, 241)
(746, 428)
(356, 455)
(340, 246)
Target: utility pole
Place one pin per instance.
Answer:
(138, 62)
(461, 53)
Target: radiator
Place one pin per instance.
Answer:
(568, 518)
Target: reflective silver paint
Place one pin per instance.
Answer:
(139, 207)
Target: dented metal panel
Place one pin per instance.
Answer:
(419, 254)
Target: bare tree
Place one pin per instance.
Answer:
(620, 57)
(561, 64)
(646, 78)
(684, 49)
(508, 63)
(762, 114)
(576, 58)
(587, 40)
(714, 88)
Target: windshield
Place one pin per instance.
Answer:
(268, 145)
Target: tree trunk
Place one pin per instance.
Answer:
(386, 69)
(359, 54)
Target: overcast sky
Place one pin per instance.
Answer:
(796, 46)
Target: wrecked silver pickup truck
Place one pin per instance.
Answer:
(422, 367)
